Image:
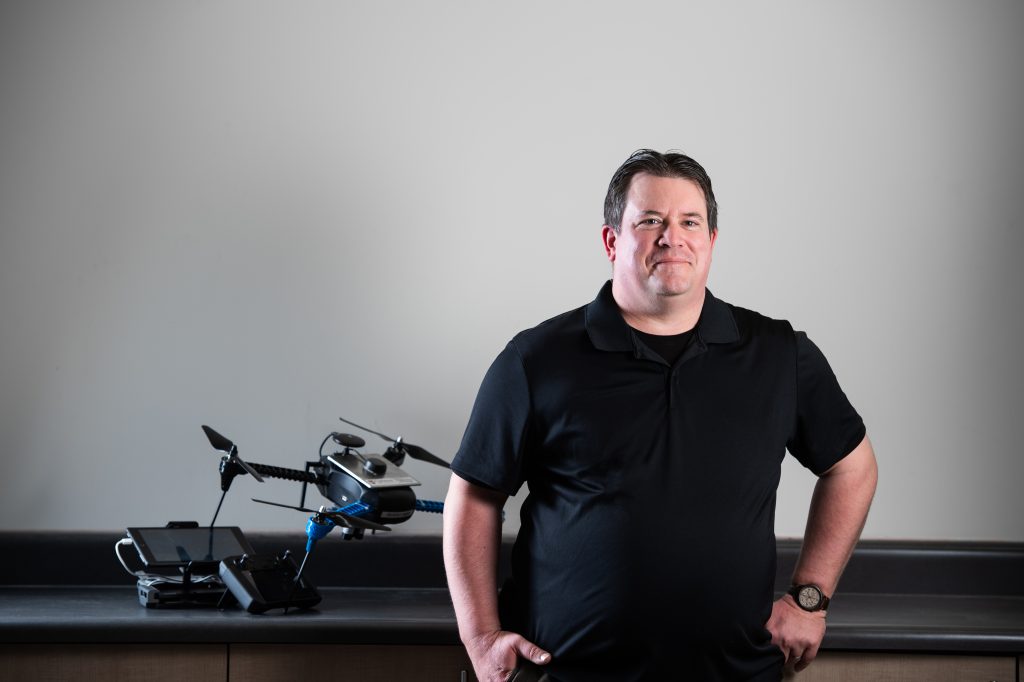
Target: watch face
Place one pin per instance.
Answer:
(809, 597)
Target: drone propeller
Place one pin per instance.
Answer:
(222, 444)
(414, 451)
(337, 517)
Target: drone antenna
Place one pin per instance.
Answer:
(218, 509)
(298, 579)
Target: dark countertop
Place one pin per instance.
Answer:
(896, 597)
(932, 623)
(364, 615)
(379, 615)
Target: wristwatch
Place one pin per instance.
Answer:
(809, 597)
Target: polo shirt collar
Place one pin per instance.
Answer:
(608, 331)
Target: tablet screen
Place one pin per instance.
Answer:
(178, 546)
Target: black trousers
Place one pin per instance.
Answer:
(528, 672)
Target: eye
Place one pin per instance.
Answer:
(650, 222)
(691, 224)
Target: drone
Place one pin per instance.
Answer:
(370, 492)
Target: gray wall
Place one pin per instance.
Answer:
(262, 216)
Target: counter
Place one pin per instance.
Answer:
(895, 597)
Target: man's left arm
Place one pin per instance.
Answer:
(839, 508)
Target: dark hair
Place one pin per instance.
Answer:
(671, 164)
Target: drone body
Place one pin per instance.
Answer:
(348, 477)
(371, 492)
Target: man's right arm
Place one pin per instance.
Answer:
(472, 541)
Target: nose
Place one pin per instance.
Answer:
(673, 234)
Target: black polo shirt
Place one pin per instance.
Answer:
(647, 548)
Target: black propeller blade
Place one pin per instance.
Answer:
(221, 443)
(339, 518)
(414, 451)
(218, 441)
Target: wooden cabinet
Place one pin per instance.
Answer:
(856, 667)
(232, 663)
(398, 663)
(366, 663)
(121, 662)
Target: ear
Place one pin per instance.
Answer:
(608, 236)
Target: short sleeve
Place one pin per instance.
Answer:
(491, 452)
(827, 427)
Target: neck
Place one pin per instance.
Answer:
(666, 315)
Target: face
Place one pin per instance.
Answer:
(663, 247)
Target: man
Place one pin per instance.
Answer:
(650, 427)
